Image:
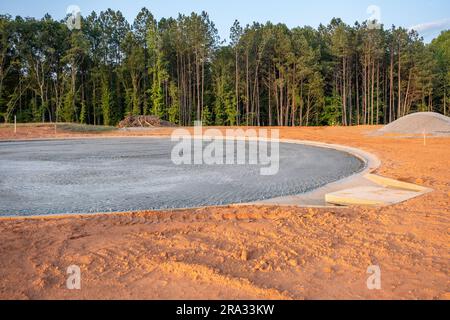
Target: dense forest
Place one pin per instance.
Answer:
(180, 70)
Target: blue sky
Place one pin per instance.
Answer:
(428, 16)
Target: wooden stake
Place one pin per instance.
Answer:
(15, 124)
(424, 138)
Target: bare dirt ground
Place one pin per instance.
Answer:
(246, 252)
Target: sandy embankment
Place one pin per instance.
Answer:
(248, 252)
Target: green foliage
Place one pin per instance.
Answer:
(106, 104)
(36, 110)
(157, 99)
(132, 68)
(174, 109)
(230, 110)
(129, 102)
(67, 113)
(83, 128)
(83, 113)
(332, 112)
(178, 70)
(219, 111)
(225, 110)
(157, 69)
(440, 48)
(206, 116)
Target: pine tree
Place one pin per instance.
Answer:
(206, 116)
(83, 113)
(174, 109)
(106, 103)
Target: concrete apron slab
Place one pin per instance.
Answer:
(387, 192)
(361, 189)
(370, 196)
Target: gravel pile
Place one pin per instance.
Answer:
(418, 123)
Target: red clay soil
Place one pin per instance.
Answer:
(246, 252)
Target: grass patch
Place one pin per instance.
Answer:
(74, 127)
(68, 127)
(26, 125)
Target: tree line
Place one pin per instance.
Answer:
(180, 70)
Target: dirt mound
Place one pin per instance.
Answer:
(418, 123)
(144, 122)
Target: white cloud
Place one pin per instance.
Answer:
(431, 26)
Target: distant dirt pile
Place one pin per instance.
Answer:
(429, 123)
(144, 122)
